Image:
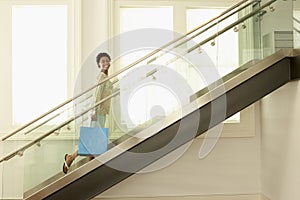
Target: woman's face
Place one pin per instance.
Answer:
(104, 63)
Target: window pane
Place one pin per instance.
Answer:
(139, 18)
(39, 59)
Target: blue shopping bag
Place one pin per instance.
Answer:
(92, 141)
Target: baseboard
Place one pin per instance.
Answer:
(188, 197)
(11, 199)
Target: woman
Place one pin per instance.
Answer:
(102, 91)
(99, 116)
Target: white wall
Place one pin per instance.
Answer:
(280, 127)
(280, 113)
(94, 34)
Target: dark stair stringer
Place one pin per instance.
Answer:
(96, 181)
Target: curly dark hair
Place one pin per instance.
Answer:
(100, 55)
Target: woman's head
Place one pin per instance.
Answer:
(103, 61)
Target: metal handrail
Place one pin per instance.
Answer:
(202, 31)
(41, 124)
(20, 150)
(297, 30)
(223, 30)
(53, 117)
(231, 26)
(42, 116)
(37, 140)
(122, 70)
(296, 19)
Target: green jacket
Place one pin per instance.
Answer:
(102, 91)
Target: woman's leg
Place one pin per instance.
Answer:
(69, 158)
(101, 120)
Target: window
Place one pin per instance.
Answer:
(39, 59)
(187, 15)
(224, 54)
